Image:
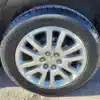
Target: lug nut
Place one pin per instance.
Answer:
(59, 61)
(56, 54)
(53, 67)
(42, 59)
(45, 66)
(48, 53)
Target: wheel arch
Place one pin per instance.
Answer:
(13, 9)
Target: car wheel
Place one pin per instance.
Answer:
(50, 50)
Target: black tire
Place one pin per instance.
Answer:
(66, 18)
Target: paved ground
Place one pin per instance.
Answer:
(9, 91)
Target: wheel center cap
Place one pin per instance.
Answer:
(51, 60)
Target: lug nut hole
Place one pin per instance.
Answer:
(42, 59)
(59, 61)
(56, 54)
(45, 66)
(53, 67)
(47, 53)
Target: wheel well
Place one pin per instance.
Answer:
(95, 18)
(87, 8)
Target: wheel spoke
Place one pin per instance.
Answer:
(71, 70)
(49, 39)
(29, 64)
(60, 40)
(77, 58)
(32, 72)
(64, 76)
(52, 79)
(72, 49)
(43, 77)
(27, 51)
(66, 67)
(34, 44)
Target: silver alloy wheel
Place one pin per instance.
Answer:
(51, 57)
